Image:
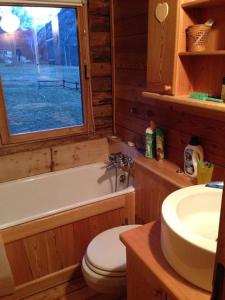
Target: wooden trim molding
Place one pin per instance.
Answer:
(45, 282)
(219, 271)
(6, 277)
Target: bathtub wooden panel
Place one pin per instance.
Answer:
(44, 253)
(40, 257)
(19, 262)
(63, 234)
(77, 154)
(46, 282)
(6, 278)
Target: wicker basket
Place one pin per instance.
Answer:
(198, 37)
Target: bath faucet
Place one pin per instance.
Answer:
(119, 160)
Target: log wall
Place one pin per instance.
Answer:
(133, 112)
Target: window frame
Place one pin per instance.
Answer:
(84, 60)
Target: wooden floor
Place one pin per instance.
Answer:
(73, 290)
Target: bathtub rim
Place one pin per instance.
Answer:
(66, 208)
(27, 229)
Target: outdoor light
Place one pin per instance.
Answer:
(10, 23)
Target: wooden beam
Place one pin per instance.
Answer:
(219, 275)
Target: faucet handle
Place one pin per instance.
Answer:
(114, 156)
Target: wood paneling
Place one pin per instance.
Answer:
(100, 52)
(46, 259)
(52, 280)
(6, 278)
(41, 253)
(133, 112)
(25, 230)
(24, 164)
(45, 253)
(78, 154)
(29, 163)
(154, 181)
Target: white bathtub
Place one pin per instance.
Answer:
(39, 196)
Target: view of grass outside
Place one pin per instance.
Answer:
(39, 68)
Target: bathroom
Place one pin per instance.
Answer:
(133, 61)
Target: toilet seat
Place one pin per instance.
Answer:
(104, 264)
(103, 272)
(106, 252)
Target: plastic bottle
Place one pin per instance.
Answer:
(193, 153)
(159, 144)
(223, 89)
(150, 141)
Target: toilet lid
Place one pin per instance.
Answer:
(104, 272)
(106, 251)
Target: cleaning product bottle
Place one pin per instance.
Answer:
(150, 141)
(159, 144)
(193, 153)
(223, 90)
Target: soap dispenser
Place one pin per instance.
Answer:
(193, 153)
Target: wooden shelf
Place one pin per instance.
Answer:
(165, 170)
(202, 3)
(205, 53)
(188, 102)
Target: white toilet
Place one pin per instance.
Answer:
(104, 264)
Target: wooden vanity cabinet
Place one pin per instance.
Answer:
(149, 276)
(139, 285)
(161, 48)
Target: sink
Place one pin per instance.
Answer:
(189, 231)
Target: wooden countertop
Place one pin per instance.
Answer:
(144, 242)
(166, 170)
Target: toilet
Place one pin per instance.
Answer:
(104, 264)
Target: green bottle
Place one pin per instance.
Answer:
(159, 144)
(150, 141)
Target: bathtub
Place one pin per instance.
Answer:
(39, 196)
(47, 221)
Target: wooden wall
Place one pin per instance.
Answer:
(17, 161)
(30, 163)
(100, 51)
(133, 112)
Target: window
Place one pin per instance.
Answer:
(43, 53)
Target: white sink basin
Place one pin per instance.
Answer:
(189, 231)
